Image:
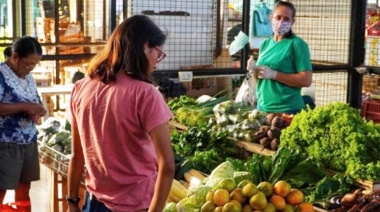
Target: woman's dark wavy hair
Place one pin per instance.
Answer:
(124, 50)
(26, 46)
(291, 7)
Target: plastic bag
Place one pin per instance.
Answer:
(247, 91)
(238, 43)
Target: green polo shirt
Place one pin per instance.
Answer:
(290, 55)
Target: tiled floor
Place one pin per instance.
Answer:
(39, 193)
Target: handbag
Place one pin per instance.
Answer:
(261, 24)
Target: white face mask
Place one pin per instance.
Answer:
(281, 28)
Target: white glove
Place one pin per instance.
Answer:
(264, 72)
(251, 65)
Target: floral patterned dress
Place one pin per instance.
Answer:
(17, 128)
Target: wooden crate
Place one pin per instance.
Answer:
(58, 192)
(57, 164)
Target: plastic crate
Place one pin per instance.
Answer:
(371, 111)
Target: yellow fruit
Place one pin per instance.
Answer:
(231, 207)
(210, 195)
(289, 208)
(269, 208)
(266, 188)
(305, 207)
(294, 197)
(258, 201)
(228, 184)
(219, 209)
(249, 190)
(208, 206)
(237, 194)
(221, 197)
(243, 183)
(278, 202)
(281, 188)
(237, 203)
(247, 208)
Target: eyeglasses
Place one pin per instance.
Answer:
(28, 64)
(161, 55)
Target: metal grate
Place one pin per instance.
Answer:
(190, 26)
(330, 87)
(325, 26)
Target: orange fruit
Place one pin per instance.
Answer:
(269, 208)
(247, 208)
(266, 188)
(289, 208)
(249, 190)
(228, 184)
(219, 209)
(232, 206)
(258, 201)
(208, 207)
(294, 197)
(281, 188)
(278, 202)
(237, 195)
(210, 195)
(305, 207)
(221, 197)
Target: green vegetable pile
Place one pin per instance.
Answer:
(55, 133)
(203, 148)
(191, 113)
(339, 138)
(296, 168)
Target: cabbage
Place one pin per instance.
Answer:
(186, 205)
(242, 175)
(197, 194)
(170, 207)
(224, 171)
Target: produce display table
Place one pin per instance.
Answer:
(248, 146)
(57, 164)
(258, 149)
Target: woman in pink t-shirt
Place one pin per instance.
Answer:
(119, 125)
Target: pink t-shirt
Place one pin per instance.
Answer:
(114, 121)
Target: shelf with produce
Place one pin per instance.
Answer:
(324, 131)
(248, 146)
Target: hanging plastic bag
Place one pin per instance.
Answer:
(247, 91)
(238, 43)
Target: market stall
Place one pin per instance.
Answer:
(347, 173)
